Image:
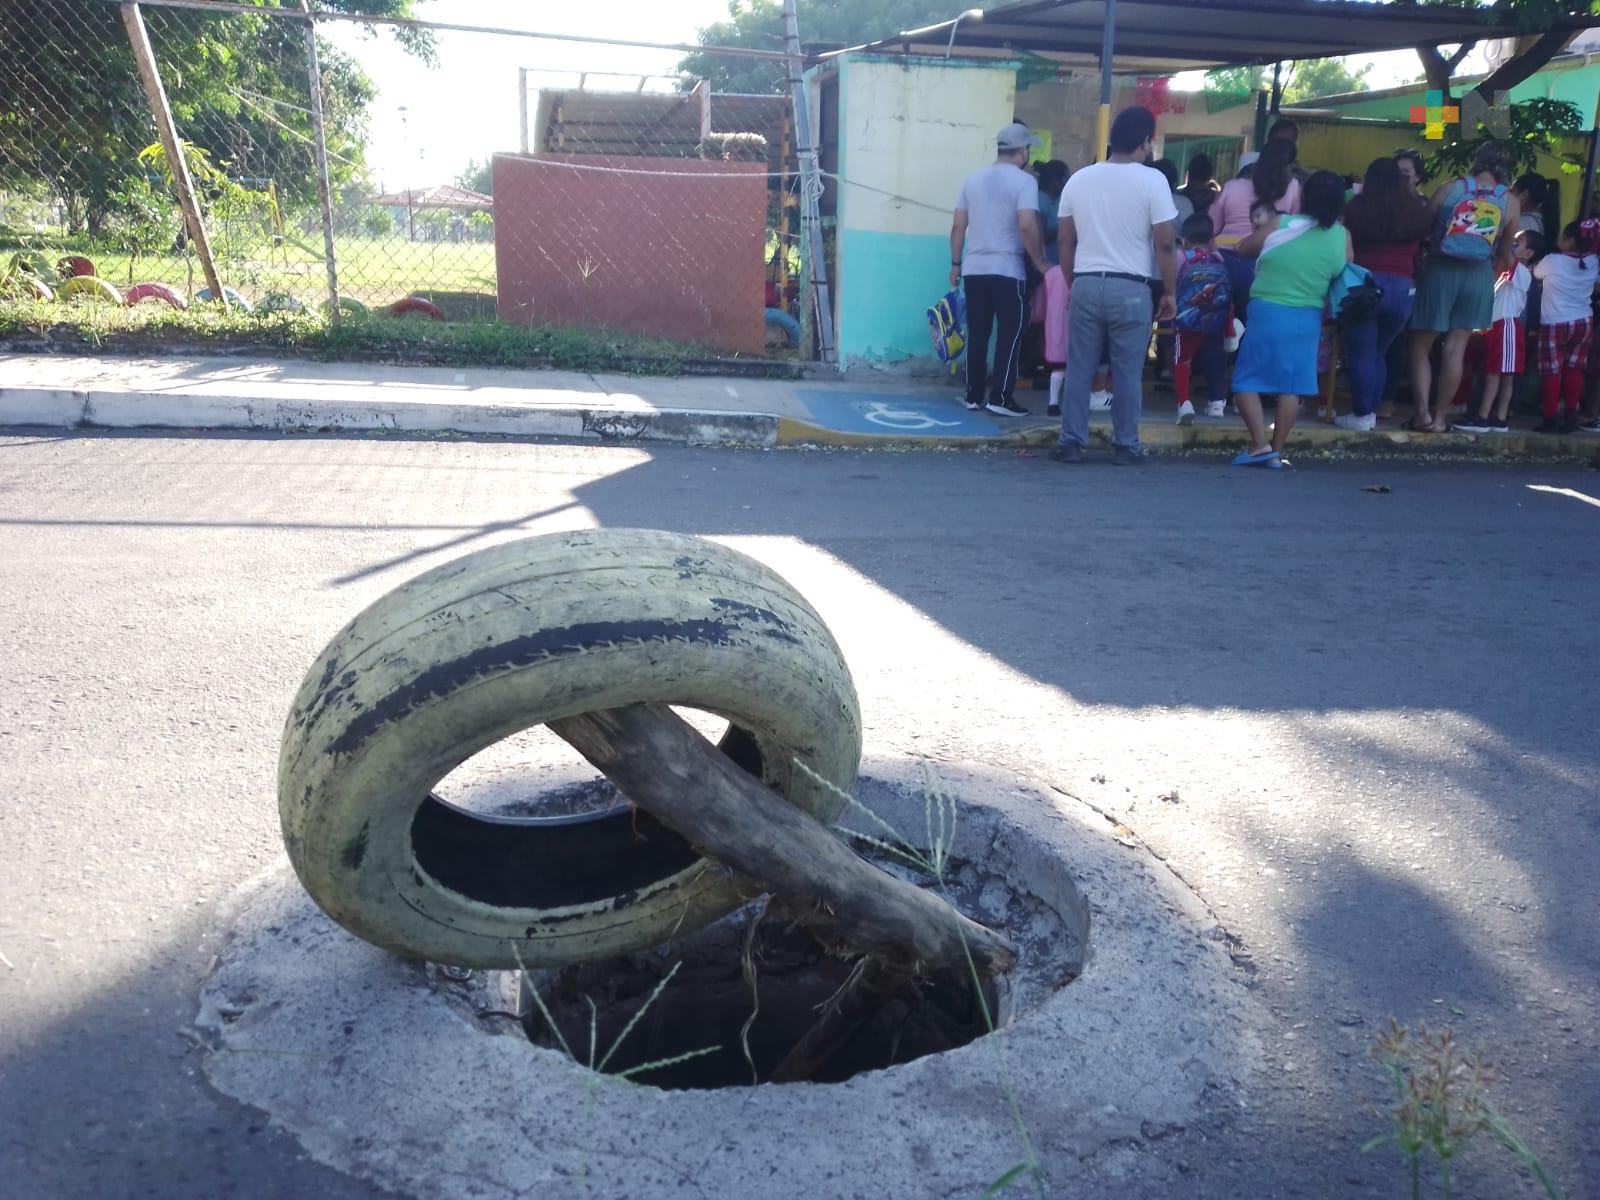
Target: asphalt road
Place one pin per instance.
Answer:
(1361, 726)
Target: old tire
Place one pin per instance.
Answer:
(90, 287)
(235, 300)
(416, 306)
(154, 291)
(517, 636)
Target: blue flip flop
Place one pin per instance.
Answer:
(1268, 459)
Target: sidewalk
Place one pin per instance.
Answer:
(72, 391)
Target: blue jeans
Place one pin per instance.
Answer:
(1366, 346)
(1109, 322)
(1241, 277)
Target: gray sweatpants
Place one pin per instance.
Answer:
(1109, 322)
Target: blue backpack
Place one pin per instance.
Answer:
(1205, 297)
(1354, 296)
(947, 324)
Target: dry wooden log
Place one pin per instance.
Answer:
(662, 764)
(867, 992)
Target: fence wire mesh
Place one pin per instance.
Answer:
(645, 204)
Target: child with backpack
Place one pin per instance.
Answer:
(1205, 314)
(1505, 349)
(1565, 338)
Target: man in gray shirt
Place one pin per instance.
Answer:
(997, 232)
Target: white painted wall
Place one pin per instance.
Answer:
(916, 131)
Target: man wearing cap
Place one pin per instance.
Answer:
(1116, 239)
(995, 235)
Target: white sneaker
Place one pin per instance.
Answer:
(1100, 401)
(1186, 413)
(1357, 424)
(1217, 408)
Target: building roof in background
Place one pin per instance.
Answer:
(1165, 36)
(444, 195)
(654, 124)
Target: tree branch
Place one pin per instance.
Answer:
(1521, 68)
(661, 764)
(1456, 59)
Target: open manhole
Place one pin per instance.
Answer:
(327, 1034)
(728, 1005)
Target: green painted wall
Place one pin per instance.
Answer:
(1577, 83)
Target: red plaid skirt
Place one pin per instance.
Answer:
(1565, 347)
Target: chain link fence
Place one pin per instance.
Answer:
(639, 203)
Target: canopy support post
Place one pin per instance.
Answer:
(1108, 48)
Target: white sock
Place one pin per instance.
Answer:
(1058, 380)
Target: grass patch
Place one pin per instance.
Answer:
(376, 271)
(152, 328)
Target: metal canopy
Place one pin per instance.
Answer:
(1166, 36)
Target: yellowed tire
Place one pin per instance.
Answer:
(514, 637)
(90, 287)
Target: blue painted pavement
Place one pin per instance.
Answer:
(928, 415)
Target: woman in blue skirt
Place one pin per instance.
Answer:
(1298, 258)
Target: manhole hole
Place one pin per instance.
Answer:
(330, 1035)
(728, 1005)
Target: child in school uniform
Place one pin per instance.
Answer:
(1569, 279)
(1057, 291)
(1205, 315)
(1505, 347)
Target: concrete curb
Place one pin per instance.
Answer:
(1311, 439)
(68, 408)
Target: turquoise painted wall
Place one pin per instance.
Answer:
(892, 279)
(908, 134)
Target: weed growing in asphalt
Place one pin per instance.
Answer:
(939, 829)
(1441, 1104)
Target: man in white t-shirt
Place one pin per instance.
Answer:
(996, 232)
(1116, 239)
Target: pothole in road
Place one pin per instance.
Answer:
(730, 1005)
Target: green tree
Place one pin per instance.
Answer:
(758, 25)
(76, 115)
(1302, 81)
(1319, 77)
(478, 176)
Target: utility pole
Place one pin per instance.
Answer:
(522, 104)
(817, 303)
(161, 111)
(324, 190)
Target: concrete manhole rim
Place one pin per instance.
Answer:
(1157, 1019)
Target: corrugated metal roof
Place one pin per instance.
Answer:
(1164, 36)
(445, 195)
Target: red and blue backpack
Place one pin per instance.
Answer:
(1205, 297)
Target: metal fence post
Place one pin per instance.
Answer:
(161, 112)
(816, 273)
(324, 191)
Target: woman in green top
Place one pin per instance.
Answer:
(1299, 258)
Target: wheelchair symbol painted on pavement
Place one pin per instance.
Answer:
(905, 418)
